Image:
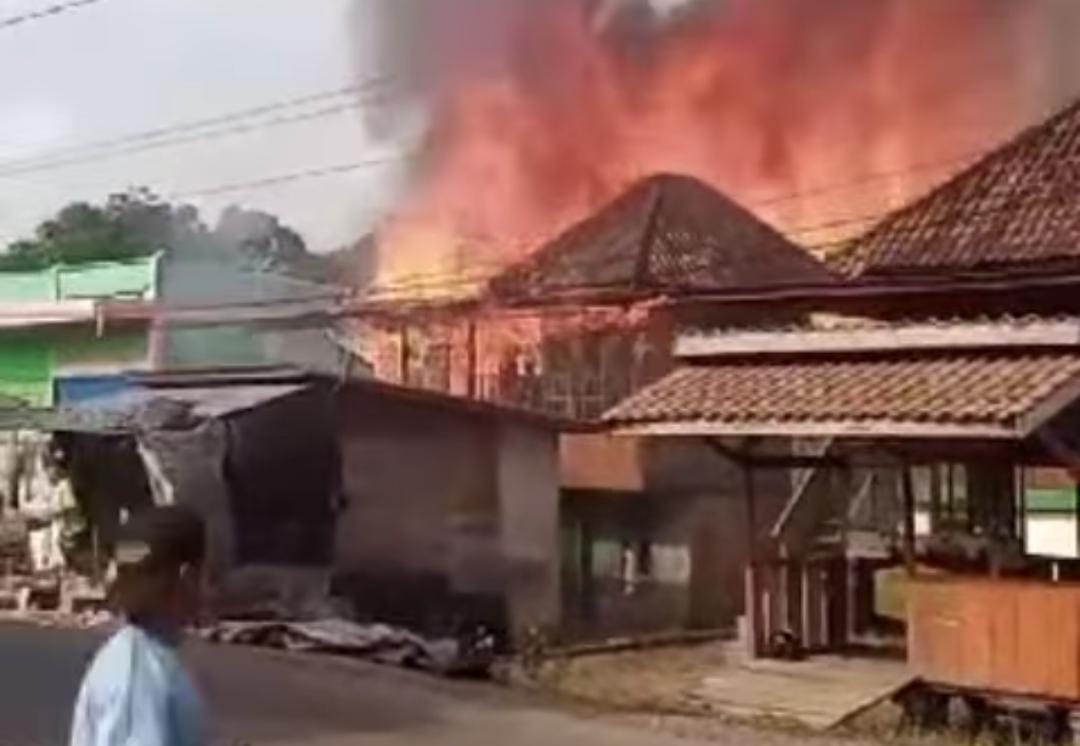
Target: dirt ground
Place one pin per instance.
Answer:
(660, 680)
(661, 687)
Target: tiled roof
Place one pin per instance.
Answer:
(1014, 209)
(665, 234)
(978, 395)
(824, 333)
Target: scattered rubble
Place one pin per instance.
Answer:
(378, 643)
(659, 680)
(54, 600)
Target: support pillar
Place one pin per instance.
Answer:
(908, 489)
(755, 634)
(471, 389)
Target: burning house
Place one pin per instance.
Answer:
(929, 405)
(584, 321)
(587, 318)
(555, 114)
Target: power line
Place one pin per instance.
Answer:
(158, 138)
(185, 140)
(949, 162)
(226, 118)
(46, 12)
(442, 279)
(288, 178)
(445, 281)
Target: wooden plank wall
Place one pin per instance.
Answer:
(1005, 636)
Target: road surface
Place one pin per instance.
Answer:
(261, 697)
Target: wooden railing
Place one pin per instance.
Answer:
(803, 601)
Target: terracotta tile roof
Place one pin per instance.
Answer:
(983, 395)
(665, 234)
(1016, 208)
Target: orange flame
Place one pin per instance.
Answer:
(765, 99)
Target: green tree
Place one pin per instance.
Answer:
(79, 233)
(137, 222)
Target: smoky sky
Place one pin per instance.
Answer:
(421, 46)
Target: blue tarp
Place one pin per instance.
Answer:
(80, 389)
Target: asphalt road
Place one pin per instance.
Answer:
(259, 697)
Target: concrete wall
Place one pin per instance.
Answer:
(450, 517)
(600, 461)
(411, 480)
(529, 524)
(187, 281)
(692, 515)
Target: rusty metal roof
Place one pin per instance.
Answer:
(976, 395)
(1014, 209)
(667, 234)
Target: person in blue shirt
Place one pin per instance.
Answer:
(136, 691)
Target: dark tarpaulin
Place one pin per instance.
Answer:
(284, 473)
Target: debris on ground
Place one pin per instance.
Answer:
(718, 681)
(54, 600)
(656, 680)
(379, 643)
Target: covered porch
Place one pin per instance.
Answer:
(913, 459)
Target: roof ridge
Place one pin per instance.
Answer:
(668, 233)
(851, 260)
(643, 269)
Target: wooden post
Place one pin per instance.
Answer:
(470, 360)
(950, 496)
(807, 625)
(585, 570)
(1076, 510)
(403, 356)
(754, 634)
(851, 586)
(909, 518)
(936, 522)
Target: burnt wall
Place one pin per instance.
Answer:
(690, 520)
(283, 471)
(417, 540)
(529, 525)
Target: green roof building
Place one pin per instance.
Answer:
(48, 329)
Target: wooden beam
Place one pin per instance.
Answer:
(1048, 408)
(740, 457)
(908, 489)
(935, 498)
(878, 430)
(1060, 450)
(755, 635)
(404, 355)
(751, 510)
(471, 389)
(1050, 333)
(743, 457)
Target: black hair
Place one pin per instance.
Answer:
(154, 548)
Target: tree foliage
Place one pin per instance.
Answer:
(79, 233)
(138, 223)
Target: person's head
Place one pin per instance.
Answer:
(159, 562)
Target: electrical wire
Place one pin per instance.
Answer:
(159, 138)
(270, 181)
(46, 12)
(180, 127)
(470, 276)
